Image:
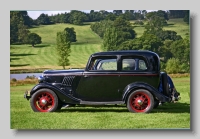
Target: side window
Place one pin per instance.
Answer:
(142, 65)
(110, 64)
(128, 64)
(103, 63)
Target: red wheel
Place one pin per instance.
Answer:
(140, 101)
(44, 100)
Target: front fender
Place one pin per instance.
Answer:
(140, 85)
(60, 93)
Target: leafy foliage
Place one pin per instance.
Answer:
(187, 17)
(100, 27)
(135, 44)
(77, 17)
(154, 24)
(23, 33)
(72, 34)
(33, 39)
(111, 39)
(124, 28)
(43, 19)
(168, 35)
(181, 50)
(63, 48)
(19, 23)
(173, 65)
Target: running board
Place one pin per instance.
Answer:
(101, 103)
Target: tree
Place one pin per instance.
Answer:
(176, 13)
(43, 19)
(100, 27)
(18, 19)
(111, 40)
(165, 50)
(134, 44)
(23, 33)
(34, 39)
(77, 17)
(187, 16)
(154, 24)
(168, 35)
(124, 28)
(111, 17)
(72, 34)
(63, 48)
(95, 16)
(117, 12)
(162, 14)
(181, 50)
(173, 66)
(151, 42)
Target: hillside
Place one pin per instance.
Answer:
(44, 56)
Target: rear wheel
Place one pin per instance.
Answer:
(44, 100)
(140, 101)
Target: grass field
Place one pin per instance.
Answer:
(173, 24)
(168, 116)
(44, 56)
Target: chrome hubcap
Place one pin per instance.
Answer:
(139, 102)
(44, 101)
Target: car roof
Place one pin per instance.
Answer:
(125, 52)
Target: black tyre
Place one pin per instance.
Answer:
(60, 105)
(44, 100)
(165, 84)
(140, 101)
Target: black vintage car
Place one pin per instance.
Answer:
(115, 77)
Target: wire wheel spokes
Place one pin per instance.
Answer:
(44, 101)
(140, 101)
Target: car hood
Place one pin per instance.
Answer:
(63, 72)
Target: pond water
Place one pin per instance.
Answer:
(22, 76)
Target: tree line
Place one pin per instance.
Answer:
(78, 17)
(116, 31)
(20, 23)
(120, 35)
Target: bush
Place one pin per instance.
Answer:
(185, 68)
(23, 82)
(31, 77)
(13, 80)
(162, 65)
(173, 66)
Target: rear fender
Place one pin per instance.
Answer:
(65, 98)
(140, 85)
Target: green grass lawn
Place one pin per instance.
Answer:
(168, 116)
(44, 56)
(176, 25)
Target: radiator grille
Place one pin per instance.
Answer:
(68, 80)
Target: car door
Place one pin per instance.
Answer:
(135, 69)
(101, 81)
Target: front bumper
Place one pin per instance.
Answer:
(27, 95)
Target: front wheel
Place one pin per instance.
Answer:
(140, 101)
(44, 100)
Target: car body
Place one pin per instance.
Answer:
(129, 77)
